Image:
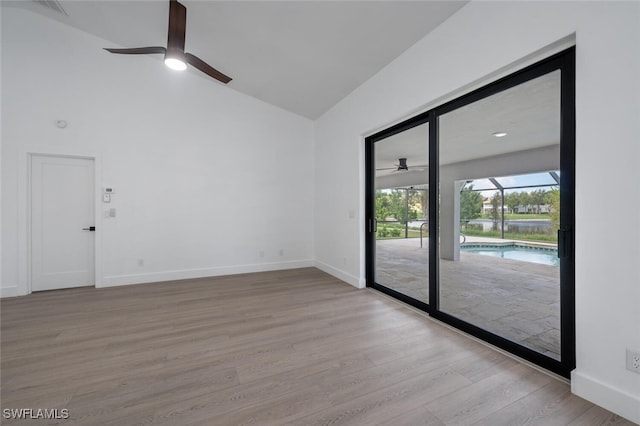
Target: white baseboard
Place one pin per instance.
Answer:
(606, 396)
(118, 280)
(342, 275)
(9, 292)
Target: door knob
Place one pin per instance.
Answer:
(91, 228)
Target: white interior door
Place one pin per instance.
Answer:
(62, 214)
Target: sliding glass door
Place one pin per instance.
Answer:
(495, 258)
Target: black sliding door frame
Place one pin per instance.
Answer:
(370, 207)
(565, 62)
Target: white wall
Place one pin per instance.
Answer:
(481, 41)
(205, 177)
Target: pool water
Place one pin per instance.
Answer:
(544, 256)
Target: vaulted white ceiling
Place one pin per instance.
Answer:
(302, 56)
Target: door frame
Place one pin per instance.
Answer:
(565, 62)
(25, 281)
(370, 193)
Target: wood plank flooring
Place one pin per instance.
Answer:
(293, 347)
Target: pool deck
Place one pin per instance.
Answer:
(517, 300)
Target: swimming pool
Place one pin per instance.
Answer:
(522, 252)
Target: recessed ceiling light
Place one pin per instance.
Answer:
(500, 134)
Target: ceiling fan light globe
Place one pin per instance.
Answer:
(175, 64)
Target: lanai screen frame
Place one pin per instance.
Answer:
(497, 185)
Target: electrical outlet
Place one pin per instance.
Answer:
(140, 262)
(633, 360)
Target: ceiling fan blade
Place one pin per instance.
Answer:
(137, 50)
(206, 68)
(177, 26)
(388, 168)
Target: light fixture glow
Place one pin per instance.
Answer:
(500, 134)
(175, 64)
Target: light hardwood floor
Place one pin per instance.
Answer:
(291, 347)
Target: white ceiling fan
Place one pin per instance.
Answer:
(403, 167)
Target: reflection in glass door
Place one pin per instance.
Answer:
(400, 212)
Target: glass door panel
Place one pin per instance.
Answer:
(401, 194)
(500, 213)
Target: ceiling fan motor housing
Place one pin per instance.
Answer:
(403, 164)
(177, 29)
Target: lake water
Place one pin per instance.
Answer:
(515, 226)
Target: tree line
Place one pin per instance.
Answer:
(471, 203)
(392, 204)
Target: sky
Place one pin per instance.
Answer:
(542, 178)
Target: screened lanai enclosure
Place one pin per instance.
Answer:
(470, 211)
